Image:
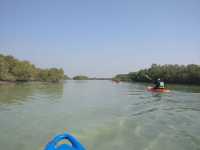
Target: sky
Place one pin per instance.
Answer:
(101, 37)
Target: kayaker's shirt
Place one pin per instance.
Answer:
(162, 85)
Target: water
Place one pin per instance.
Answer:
(101, 114)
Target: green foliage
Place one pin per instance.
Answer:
(54, 75)
(80, 77)
(122, 77)
(3, 68)
(23, 71)
(42, 75)
(189, 74)
(12, 69)
(66, 77)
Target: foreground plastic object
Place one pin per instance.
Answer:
(56, 143)
(152, 89)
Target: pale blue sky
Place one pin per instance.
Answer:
(101, 37)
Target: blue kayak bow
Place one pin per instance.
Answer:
(54, 143)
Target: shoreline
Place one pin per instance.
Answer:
(15, 82)
(7, 82)
(61, 81)
(166, 83)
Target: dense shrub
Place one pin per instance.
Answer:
(184, 74)
(12, 69)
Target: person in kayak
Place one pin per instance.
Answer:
(159, 84)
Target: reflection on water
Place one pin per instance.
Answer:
(101, 114)
(14, 93)
(185, 88)
(17, 93)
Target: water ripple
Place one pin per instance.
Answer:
(145, 111)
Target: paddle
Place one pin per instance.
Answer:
(148, 77)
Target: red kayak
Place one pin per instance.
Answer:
(160, 90)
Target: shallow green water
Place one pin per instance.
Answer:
(102, 114)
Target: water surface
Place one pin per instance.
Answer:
(102, 114)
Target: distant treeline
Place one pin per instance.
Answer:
(80, 77)
(183, 74)
(83, 77)
(12, 69)
(95, 78)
